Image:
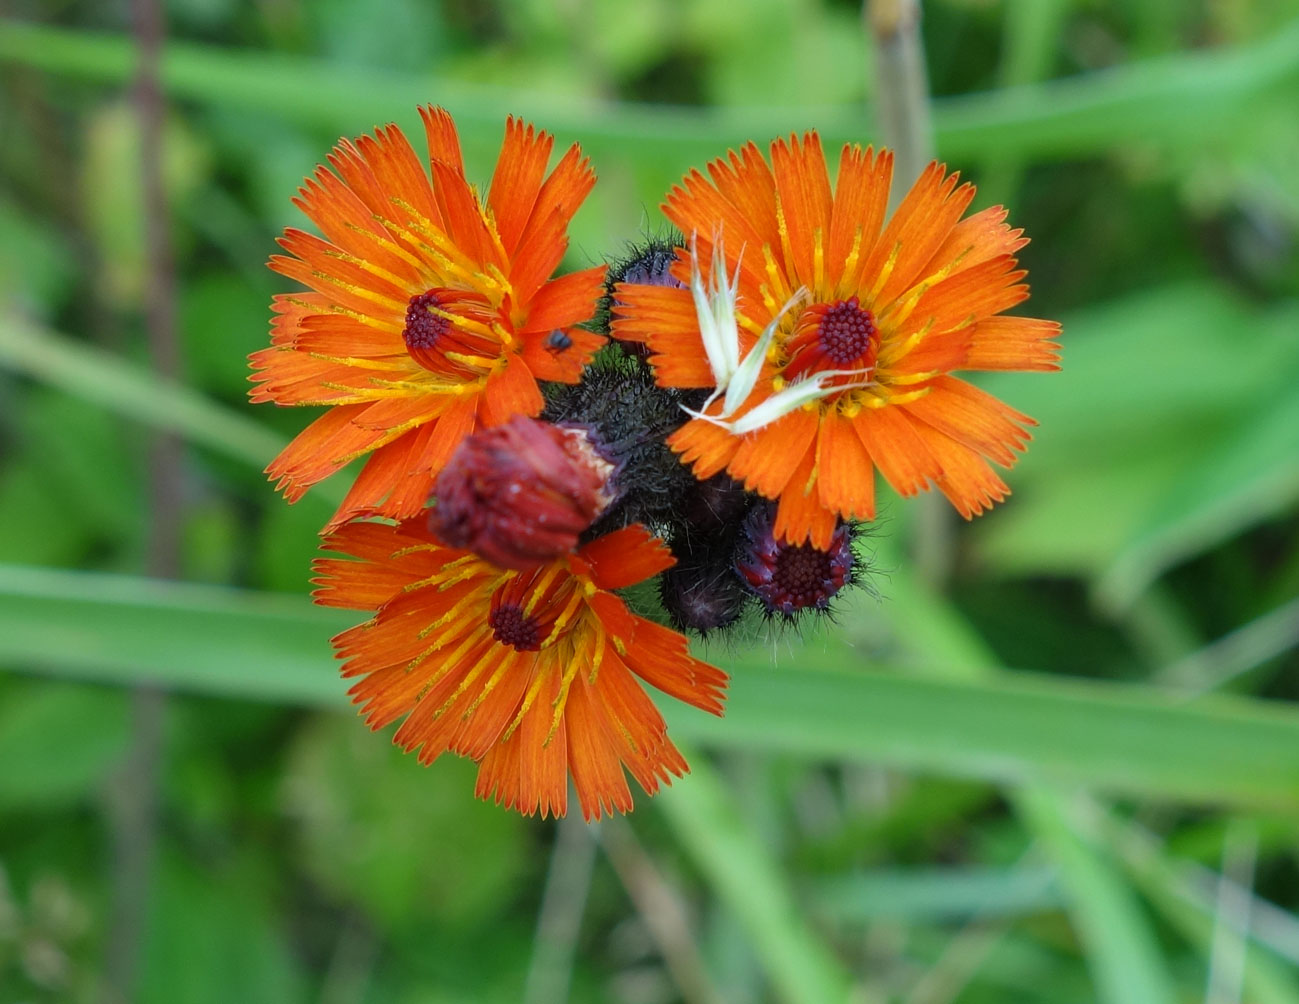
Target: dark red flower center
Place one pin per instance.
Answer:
(511, 626)
(802, 577)
(423, 327)
(792, 577)
(846, 331)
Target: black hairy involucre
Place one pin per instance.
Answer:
(630, 418)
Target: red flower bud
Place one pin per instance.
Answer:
(786, 577)
(521, 493)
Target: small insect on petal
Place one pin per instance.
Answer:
(557, 341)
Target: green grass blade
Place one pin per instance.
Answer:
(1006, 728)
(132, 391)
(1120, 946)
(204, 639)
(1198, 94)
(1123, 953)
(108, 380)
(1268, 978)
(937, 895)
(729, 854)
(1249, 478)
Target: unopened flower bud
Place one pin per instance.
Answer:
(521, 493)
(647, 264)
(701, 591)
(789, 578)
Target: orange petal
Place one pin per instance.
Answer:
(294, 378)
(348, 223)
(592, 757)
(525, 772)
(359, 176)
(565, 301)
(765, 460)
(977, 238)
(539, 255)
(845, 475)
(394, 415)
(799, 515)
(452, 426)
(319, 450)
(562, 365)
(445, 719)
(664, 318)
(563, 192)
(464, 220)
(613, 614)
(803, 190)
(967, 296)
(967, 481)
(900, 454)
(700, 210)
(398, 172)
(431, 718)
(509, 392)
(704, 445)
(917, 229)
(746, 182)
(384, 306)
(1014, 343)
(544, 239)
(481, 727)
(443, 141)
(625, 557)
(660, 657)
(516, 181)
(637, 731)
(344, 335)
(973, 417)
(375, 543)
(385, 485)
(378, 286)
(938, 353)
(861, 198)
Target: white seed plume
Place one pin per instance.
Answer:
(734, 379)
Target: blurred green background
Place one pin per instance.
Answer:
(1055, 761)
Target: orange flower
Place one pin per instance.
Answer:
(530, 673)
(830, 336)
(431, 312)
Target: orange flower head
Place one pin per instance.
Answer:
(429, 312)
(828, 335)
(533, 674)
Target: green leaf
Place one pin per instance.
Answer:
(1268, 979)
(1003, 727)
(1123, 958)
